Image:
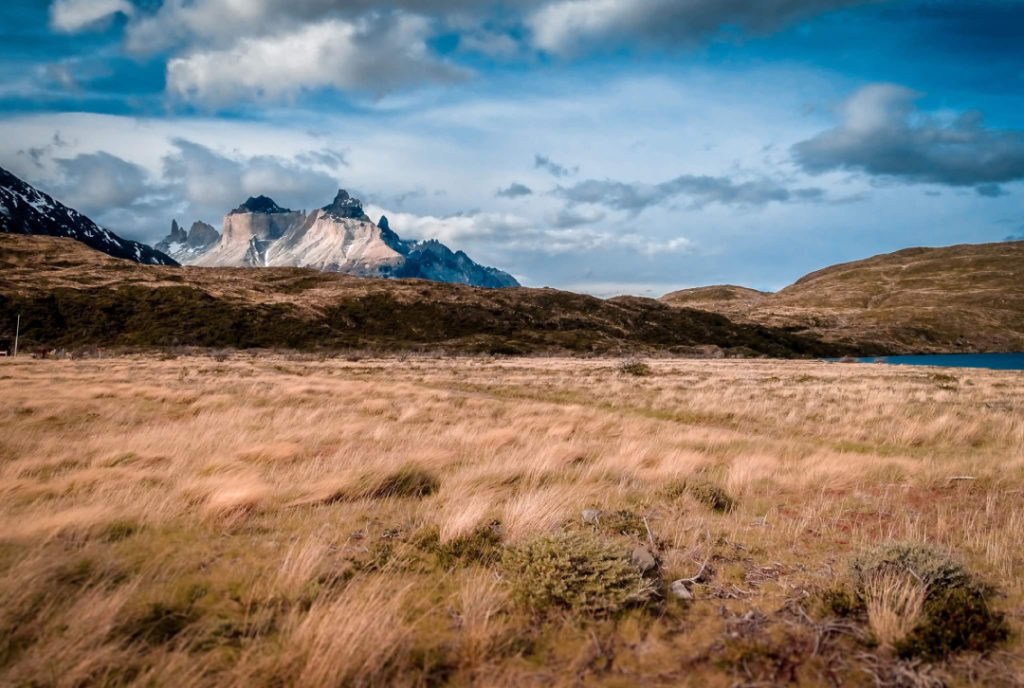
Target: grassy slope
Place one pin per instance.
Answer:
(194, 522)
(72, 296)
(960, 298)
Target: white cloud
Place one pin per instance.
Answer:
(374, 55)
(70, 16)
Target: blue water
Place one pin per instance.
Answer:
(993, 361)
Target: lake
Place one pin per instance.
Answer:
(993, 361)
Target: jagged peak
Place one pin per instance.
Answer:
(259, 204)
(346, 207)
(383, 223)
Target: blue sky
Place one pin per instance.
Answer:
(606, 146)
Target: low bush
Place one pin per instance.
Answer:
(584, 575)
(704, 491)
(956, 613)
(635, 367)
(407, 481)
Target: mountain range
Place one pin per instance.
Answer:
(339, 237)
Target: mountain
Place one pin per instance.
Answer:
(69, 295)
(336, 238)
(967, 298)
(27, 210)
(183, 246)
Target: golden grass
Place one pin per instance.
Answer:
(197, 522)
(894, 605)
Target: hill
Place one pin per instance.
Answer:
(25, 209)
(70, 296)
(967, 298)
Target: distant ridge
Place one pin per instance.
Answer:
(966, 298)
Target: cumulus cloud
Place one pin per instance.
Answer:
(883, 133)
(543, 162)
(700, 190)
(565, 27)
(213, 182)
(514, 190)
(375, 54)
(70, 16)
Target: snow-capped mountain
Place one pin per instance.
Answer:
(27, 210)
(336, 238)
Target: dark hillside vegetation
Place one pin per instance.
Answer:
(71, 296)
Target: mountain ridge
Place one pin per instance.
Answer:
(967, 298)
(25, 209)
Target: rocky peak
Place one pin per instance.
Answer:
(383, 223)
(259, 204)
(202, 235)
(345, 207)
(177, 235)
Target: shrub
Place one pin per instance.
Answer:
(582, 574)
(956, 615)
(635, 367)
(482, 547)
(704, 491)
(408, 481)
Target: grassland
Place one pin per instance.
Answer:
(267, 520)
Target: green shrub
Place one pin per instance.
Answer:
(956, 615)
(581, 574)
(481, 547)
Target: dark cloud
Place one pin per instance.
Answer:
(991, 190)
(566, 27)
(514, 190)
(884, 134)
(543, 162)
(700, 190)
(569, 218)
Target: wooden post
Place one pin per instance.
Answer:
(17, 331)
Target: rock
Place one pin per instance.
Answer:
(345, 207)
(678, 589)
(259, 204)
(591, 516)
(201, 236)
(643, 559)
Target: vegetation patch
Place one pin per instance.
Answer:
(704, 491)
(635, 367)
(954, 614)
(584, 575)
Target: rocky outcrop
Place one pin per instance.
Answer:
(27, 210)
(184, 246)
(339, 237)
(260, 219)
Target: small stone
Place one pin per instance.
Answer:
(679, 589)
(590, 516)
(643, 559)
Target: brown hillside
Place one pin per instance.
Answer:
(966, 298)
(69, 295)
(720, 298)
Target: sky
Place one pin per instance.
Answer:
(602, 146)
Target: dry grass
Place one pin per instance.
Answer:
(284, 520)
(894, 606)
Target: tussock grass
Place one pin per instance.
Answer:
(269, 520)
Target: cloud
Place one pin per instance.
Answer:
(71, 16)
(701, 191)
(884, 134)
(566, 27)
(542, 162)
(567, 218)
(514, 190)
(213, 183)
(375, 54)
(96, 182)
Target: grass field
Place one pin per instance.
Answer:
(259, 519)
